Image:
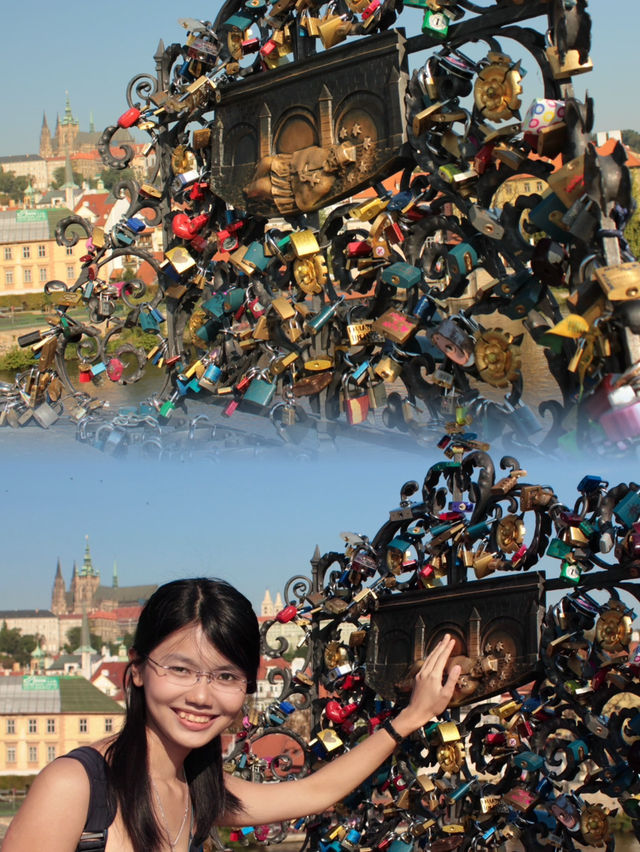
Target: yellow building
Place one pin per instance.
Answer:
(44, 717)
(29, 254)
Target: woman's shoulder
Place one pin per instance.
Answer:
(43, 814)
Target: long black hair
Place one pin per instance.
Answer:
(230, 624)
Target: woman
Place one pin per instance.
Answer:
(159, 783)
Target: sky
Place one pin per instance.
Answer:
(255, 522)
(252, 521)
(92, 51)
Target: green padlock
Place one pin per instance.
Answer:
(256, 256)
(558, 549)
(570, 571)
(402, 276)
(435, 23)
(260, 392)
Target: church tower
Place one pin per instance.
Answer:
(267, 608)
(58, 599)
(67, 131)
(85, 583)
(46, 145)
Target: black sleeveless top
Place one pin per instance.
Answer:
(102, 805)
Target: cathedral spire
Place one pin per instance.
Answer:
(68, 116)
(59, 570)
(87, 569)
(115, 575)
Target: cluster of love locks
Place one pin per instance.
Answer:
(342, 235)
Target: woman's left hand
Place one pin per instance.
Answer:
(431, 692)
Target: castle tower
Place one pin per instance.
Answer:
(267, 608)
(114, 584)
(68, 131)
(58, 599)
(85, 583)
(46, 145)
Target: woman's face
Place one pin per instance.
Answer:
(188, 714)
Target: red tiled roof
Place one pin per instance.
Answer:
(111, 616)
(127, 612)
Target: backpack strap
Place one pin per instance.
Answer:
(102, 809)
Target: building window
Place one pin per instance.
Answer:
(42, 251)
(33, 726)
(70, 251)
(51, 726)
(70, 272)
(527, 187)
(539, 186)
(8, 253)
(108, 726)
(83, 726)
(33, 754)
(26, 252)
(11, 754)
(11, 726)
(43, 275)
(27, 276)
(8, 276)
(51, 753)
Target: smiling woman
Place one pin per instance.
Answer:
(159, 783)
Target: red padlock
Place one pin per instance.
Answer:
(358, 248)
(115, 369)
(287, 614)
(186, 228)
(250, 45)
(129, 118)
(198, 191)
(84, 376)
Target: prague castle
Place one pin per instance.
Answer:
(87, 594)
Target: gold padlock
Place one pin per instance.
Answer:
(304, 243)
(388, 369)
(180, 259)
(333, 29)
(283, 308)
(448, 732)
(620, 283)
(569, 66)
(359, 331)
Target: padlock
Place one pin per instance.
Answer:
(401, 275)
(260, 391)
(567, 66)
(356, 407)
(395, 326)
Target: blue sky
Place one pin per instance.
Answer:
(252, 521)
(94, 50)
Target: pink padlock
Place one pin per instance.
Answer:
(621, 423)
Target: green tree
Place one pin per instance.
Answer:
(14, 647)
(632, 139)
(74, 640)
(59, 177)
(632, 231)
(110, 177)
(12, 187)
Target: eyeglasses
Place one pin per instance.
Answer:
(225, 680)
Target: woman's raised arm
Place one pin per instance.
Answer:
(266, 803)
(53, 815)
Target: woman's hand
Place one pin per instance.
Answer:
(431, 693)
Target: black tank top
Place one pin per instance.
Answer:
(102, 805)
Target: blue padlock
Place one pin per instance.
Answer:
(627, 511)
(260, 392)
(462, 259)
(212, 373)
(401, 275)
